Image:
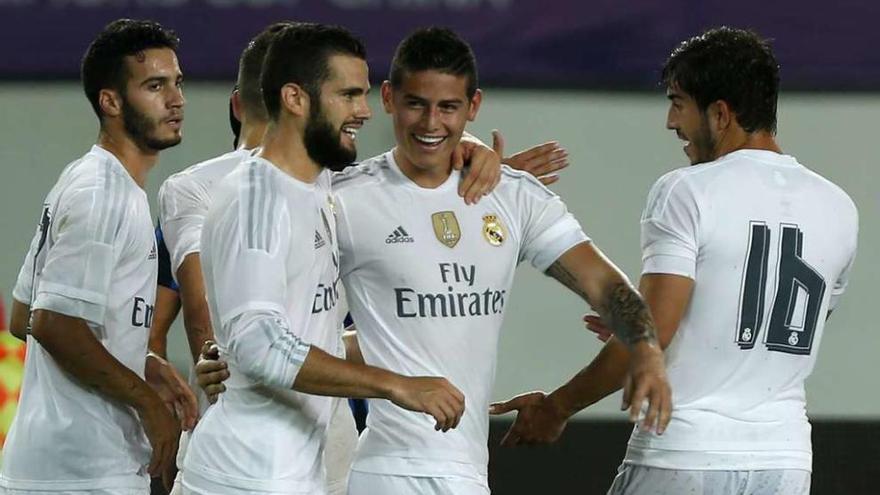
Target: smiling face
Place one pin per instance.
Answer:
(691, 125)
(430, 110)
(152, 102)
(338, 112)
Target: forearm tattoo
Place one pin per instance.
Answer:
(567, 279)
(628, 315)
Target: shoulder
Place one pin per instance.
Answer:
(202, 174)
(365, 173)
(516, 183)
(841, 199)
(94, 179)
(677, 185)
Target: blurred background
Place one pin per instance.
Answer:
(582, 72)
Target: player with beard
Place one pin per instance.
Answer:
(270, 260)
(745, 254)
(93, 401)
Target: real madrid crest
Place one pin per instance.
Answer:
(446, 228)
(493, 231)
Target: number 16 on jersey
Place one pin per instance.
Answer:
(797, 296)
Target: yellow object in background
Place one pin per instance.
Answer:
(11, 370)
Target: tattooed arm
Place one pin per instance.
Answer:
(589, 274)
(632, 359)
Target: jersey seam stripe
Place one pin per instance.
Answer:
(250, 199)
(103, 220)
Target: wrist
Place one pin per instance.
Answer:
(561, 403)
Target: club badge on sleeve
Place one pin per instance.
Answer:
(446, 228)
(493, 231)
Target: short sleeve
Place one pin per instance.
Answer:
(670, 228)
(843, 279)
(23, 290)
(549, 230)
(85, 239)
(182, 210)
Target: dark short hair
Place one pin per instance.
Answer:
(250, 66)
(434, 48)
(103, 65)
(300, 54)
(734, 65)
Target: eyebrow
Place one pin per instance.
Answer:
(420, 99)
(354, 90)
(161, 79)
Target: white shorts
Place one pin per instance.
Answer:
(644, 480)
(361, 483)
(102, 491)
(342, 439)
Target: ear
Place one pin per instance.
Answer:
(235, 100)
(387, 94)
(294, 99)
(721, 115)
(475, 105)
(110, 102)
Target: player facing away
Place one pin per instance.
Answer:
(269, 252)
(745, 254)
(428, 277)
(84, 296)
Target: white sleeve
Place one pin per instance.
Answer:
(670, 228)
(248, 262)
(182, 213)
(85, 233)
(23, 290)
(549, 230)
(843, 279)
(264, 348)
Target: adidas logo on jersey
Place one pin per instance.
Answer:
(319, 241)
(399, 235)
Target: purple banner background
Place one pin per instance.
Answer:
(613, 44)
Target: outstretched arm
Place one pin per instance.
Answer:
(588, 273)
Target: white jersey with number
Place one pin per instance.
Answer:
(769, 245)
(93, 257)
(270, 261)
(428, 279)
(184, 199)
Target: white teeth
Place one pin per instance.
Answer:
(351, 131)
(429, 139)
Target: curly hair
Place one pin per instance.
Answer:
(734, 65)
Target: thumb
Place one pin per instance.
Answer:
(458, 157)
(498, 143)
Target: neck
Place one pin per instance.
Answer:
(252, 132)
(283, 146)
(429, 177)
(136, 160)
(738, 139)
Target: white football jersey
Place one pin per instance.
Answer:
(268, 247)
(428, 279)
(184, 199)
(769, 245)
(93, 257)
